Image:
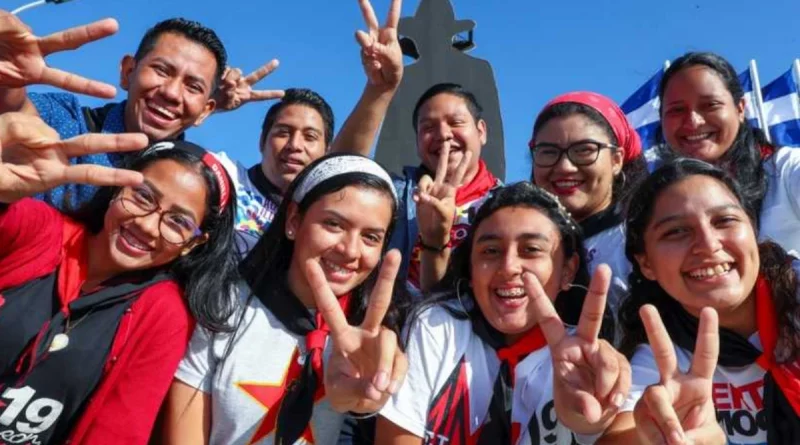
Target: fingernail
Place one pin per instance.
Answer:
(676, 436)
(394, 386)
(618, 400)
(381, 381)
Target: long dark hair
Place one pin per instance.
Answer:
(452, 286)
(208, 272)
(743, 159)
(632, 171)
(268, 262)
(776, 264)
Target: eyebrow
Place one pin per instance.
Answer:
(175, 208)
(525, 237)
(678, 216)
(338, 215)
(703, 97)
(290, 127)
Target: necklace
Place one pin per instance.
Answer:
(61, 341)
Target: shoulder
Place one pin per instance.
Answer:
(163, 302)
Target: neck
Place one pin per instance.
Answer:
(277, 182)
(740, 319)
(99, 265)
(299, 286)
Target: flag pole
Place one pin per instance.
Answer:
(762, 121)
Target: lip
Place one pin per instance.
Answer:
(714, 280)
(339, 275)
(124, 245)
(566, 190)
(698, 144)
(154, 117)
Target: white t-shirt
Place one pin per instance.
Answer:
(738, 393)
(246, 385)
(780, 211)
(608, 247)
(448, 388)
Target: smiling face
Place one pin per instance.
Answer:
(586, 189)
(296, 138)
(699, 116)
(446, 119)
(170, 88)
(136, 242)
(701, 247)
(510, 241)
(345, 232)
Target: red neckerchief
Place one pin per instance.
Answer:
(533, 340)
(315, 340)
(766, 151)
(483, 181)
(786, 375)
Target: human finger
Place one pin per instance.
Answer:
(399, 371)
(624, 381)
(387, 344)
(660, 343)
(262, 72)
(461, 170)
(594, 305)
(76, 84)
(381, 297)
(78, 36)
(546, 316)
(706, 350)
(326, 301)
(365, 40)
(93, 143)
(441, 167)
(606, 369)
(393, 19)
(101, 176)
(659, 405)
(267, 94)
(369, 15)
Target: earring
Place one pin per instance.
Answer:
(290, 234)
(463, 308)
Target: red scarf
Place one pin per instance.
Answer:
(480, 185)
(786, 375)
(532, 341)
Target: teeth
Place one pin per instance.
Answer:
(333, 267)
(164, 111)
(512, 292)
(698, 137)
(133, 241)
(567, 183)
(719, 269)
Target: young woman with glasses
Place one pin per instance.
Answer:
(97, 308)
(587, 154)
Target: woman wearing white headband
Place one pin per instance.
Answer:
(314, 275)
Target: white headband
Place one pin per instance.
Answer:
(339, 165)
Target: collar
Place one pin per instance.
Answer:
(601, 221)
(264, 185)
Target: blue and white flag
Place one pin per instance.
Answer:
(750, 107)
(782, 110)
(642, 111)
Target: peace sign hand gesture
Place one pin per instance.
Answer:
(380, 48)
(436, 200)
(34, 160)
(590, 378)
(22, 55)
(236, 90)
(366, 365)
(680, 410)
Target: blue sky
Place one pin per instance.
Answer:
(538, 48)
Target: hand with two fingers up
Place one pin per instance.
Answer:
(680, 409)
(236, 89)
(591, 379)
(381, 55)
(366, 365)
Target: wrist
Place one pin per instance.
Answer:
(435, 247)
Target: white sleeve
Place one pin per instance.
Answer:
(408, 408)
(644, 373)
(198, 366)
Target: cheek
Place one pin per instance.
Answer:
(541, 175)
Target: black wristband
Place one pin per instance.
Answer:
(433, 248)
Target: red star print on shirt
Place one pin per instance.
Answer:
(270, 396)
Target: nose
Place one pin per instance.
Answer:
(564, 164)
(707, 240)
(349, 246)
(295, 141)
(149, 224)
(695, 120)
(171, 89)
(444, 132)
(512, 266)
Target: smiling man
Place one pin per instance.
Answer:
(170, 80)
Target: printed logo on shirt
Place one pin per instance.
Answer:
(270, 396)
(543, 427)
(23, 417)
(448, 415)
(740, 411)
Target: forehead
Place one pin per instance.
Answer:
(300, 116)
(185, 53)
(443, 104)
(509, 223)
(567, 129)
(695, 194)
(178, 184)
(694, 81)
(361, 205)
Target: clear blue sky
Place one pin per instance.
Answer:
(538, 48)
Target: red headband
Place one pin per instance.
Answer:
(627, 137)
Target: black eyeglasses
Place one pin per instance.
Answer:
(174, 227)
(580, 153)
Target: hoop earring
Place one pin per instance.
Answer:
(579, 286)
(458, 295)
(624, 179)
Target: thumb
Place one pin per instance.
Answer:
(364, 39)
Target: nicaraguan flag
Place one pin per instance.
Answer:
(750, 113)
(642, 111)
(782, 110)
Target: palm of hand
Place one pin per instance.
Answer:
(21, 61)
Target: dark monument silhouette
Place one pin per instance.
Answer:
(435, 39)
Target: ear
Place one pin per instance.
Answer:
(197, 242)
(644, 266)
(126, 67)
(740, 107)
(209, 108)
(293, 221)
(569, 271)
(482, 131)
(617, 160)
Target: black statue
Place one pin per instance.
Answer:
(433, 37)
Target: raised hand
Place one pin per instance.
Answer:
(34, 160)
(22, 55)
(590, 378)
(236, 90)
(436, 200)
(366, 365)
(680, 409)
(380, 48)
